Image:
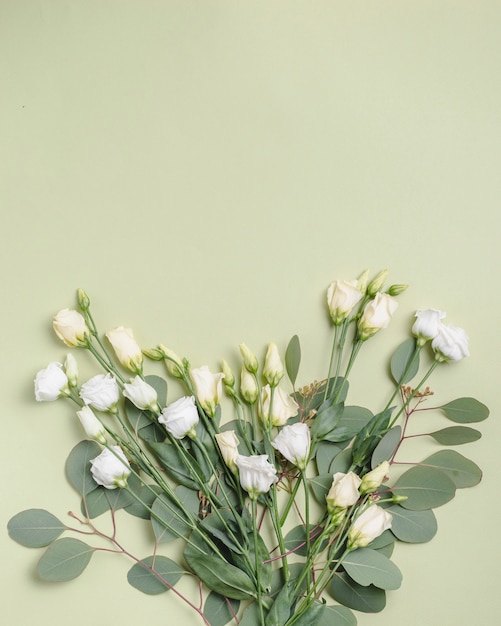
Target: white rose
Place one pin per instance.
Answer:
(257, 474)
(450, 343)
(342, 296)
(371, 523)
(141, 394)
(71, 328)
(293, 442)
(277, 407)
(248, 386)
(91, 425)
(273, 370)
(101, 392)
(110, 469)
(51, 383)
(344, 491)
(228, 444)
(208, 388)
(426, 325)
(377, 315)
(180, 417)
(128, 352)
(373, 479)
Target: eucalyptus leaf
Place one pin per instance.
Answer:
(386, 448)
(219, 610)
(78, 466)
(295, 540)
(168, 520)
(462, 471)
(341, 462)
(325, 454)
(293, 358)
(425, 488)
(326, 419)
(154, 575)
(465, 410)
(404, 364)
(280, 610)
(365, 599)
(369, 567)
(64, 560)
(412, 526)
(146, 495)
(456, 435)
(35, 528)
(173, 463)
(353, 419)
(320, 486)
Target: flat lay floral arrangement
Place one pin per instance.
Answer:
(288, 508)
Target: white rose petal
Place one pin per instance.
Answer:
(208, 388)
(377, 315)
(91, 425)
(427, 323)
(293, 442)
(371, 523)
(127, 350)
(70, 327)
(344, 491)
(450, 343)
(342, 297)
(277, 407)
(257, 474)
(50, 383)
(180, 417)
(101, 392)
(141, 394)
(110, 470)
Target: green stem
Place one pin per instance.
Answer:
(414, 392)
(258, 562)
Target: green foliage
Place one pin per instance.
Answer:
(425, 488)
(154, 575)
(387, 446)
(462, 471)
(456, 435)
(293, 358)
(465, 411)
(369, 567)
(220, 610)
(64, 560)
(168, 520)
(353, 419)
(346, 591)
(413, 526)
(174, 464)
(404, 364)
(326, 453)
(326, 419)
(35, 528)
(78, 466)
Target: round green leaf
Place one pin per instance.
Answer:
(387, 446)
(424, 487)
(456, 435)
(326, 452)
(168, 521)
(465, 410)
(65, 559)
(402, 365)
(412, 526)
(220, 610)
(78, 466)
(35, 528)
(369, 567)
(154, 575)
(462, 471)
(366, 599)
(293, 358)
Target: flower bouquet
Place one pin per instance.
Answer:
(287, 510)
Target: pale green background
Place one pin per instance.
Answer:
(204, 169)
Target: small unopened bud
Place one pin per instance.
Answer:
(273, 370)
(71, 370)
(83, 300)
(363, 281)
(397, 499)
(229, 379)
(396, 290)
(248, 386)
(377, 282)
(173, 363)
(154, 354)
(250, 360)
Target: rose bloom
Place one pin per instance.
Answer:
(273, 370)
(293, 442)
(71, 328)
(450, 344)
(128, 352)
(110, 470)
(180, 417)
(228, 445)
(282, 408)
(344, 491)
(342, 296)
(91, 425)
(371, 523)
(257, 474)
(208, 388)
(51, 383)
(141, 394)
(377, 315)
(101, 392)
(426, 325)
